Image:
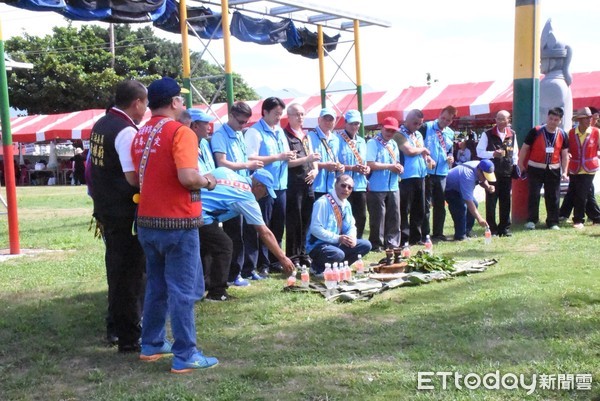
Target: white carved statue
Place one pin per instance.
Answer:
(555, 87)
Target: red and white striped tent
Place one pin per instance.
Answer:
(475, 101)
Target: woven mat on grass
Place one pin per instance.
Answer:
(365, 289)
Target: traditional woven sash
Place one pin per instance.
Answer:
(336, 211)
(387, 147)
(235, 184)
(329, 151)
(352, 147)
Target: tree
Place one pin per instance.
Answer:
(72, 68)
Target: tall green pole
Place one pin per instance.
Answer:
(7, 148)
(526, 88)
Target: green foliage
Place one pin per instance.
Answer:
(73, 68)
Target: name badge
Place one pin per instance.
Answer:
(549, 149)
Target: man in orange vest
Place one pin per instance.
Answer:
(583, 148)
(545, 157)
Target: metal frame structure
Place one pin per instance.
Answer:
(301, 11)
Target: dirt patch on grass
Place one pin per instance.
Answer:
(6, 255)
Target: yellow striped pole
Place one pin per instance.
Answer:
(526, 88)
(185, 53)
(359, 98)
(227, 49)
(321, 51)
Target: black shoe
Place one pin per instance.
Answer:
(471, 234)
(505, 234)
(130, 348)
(111, 338)
(218, 298)
(441, 237)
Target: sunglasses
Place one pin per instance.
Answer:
(242, 121)
(347, 186)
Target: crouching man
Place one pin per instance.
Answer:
(233, 196)
(332, 233)
(460, 186)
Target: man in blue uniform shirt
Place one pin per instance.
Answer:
(233, 196)
(199, 123)
(332, 233)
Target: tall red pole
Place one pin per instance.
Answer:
(9, 166)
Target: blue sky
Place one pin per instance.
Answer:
(456, 41)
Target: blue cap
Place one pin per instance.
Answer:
(487, 167)
(163, 88)
(264, 177)
(328, 111)
(353, 116)
(199, 115)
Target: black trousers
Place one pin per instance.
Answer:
(550, 180)
(435, 187)
(358, 202)
(233, 229)
(582, 183)
(126, 277)
(412, 209)
(502, 197)
(257, 254)
(216, 249)
(299, 205)
(591, 207)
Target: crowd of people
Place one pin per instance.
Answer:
(210, 213)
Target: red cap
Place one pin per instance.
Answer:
(391, 123)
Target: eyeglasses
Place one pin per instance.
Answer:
(347, 186)
(242, 121)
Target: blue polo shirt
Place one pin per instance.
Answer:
(323, 223)
(228, 201)
(272, 143)
(325, 180)
(433, 143)
(226, 140)
(382, 180)
(206, 162)
(348, 158)
(463, 179)
(414, 166)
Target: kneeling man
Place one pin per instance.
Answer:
(460, 185)
(332, 233)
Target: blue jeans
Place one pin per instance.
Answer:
(174, 281)
(463, 220)
(330, 253)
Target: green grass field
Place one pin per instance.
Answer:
(536, 312)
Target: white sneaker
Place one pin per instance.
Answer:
(530, 225)
(555, 227)
(578, 226)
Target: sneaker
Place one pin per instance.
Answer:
(578, 226)
(254, 276)
(151, 353)
(554, 227)
(505, 234)
(471, 234)
(129, 348)
(218, 298)
(439, 238)
(197, 361)
(239, 282)
(562, 219)
(530, 225)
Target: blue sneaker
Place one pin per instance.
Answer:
(239, 282)
(197, 361)
(151, 353)
(254, 276)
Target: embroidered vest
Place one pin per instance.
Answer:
(164, 202)
(583, 155)
(503, 166)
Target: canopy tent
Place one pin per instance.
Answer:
(476, 102)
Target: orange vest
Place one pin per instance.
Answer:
(538, 156)
(583, 156)
(164, 202)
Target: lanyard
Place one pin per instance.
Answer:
(383, 143)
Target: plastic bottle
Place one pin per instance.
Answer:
(487, 236)
(304, 276)
(291, 281)
(359, 266)
(405, 251)
(428, 245)
(347, 271)
(336, 273)
(329, 277)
